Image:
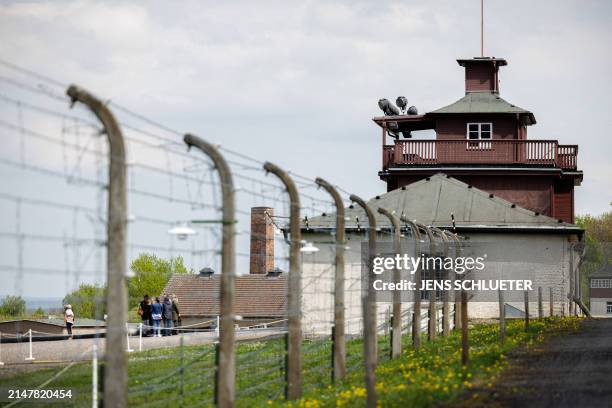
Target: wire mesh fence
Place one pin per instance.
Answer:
(55, 244)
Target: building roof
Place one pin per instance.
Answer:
(255, 295)
(485, 102)
(432, 200)
(604, 272)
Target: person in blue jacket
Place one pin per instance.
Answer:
(167, 315)
(157, 310)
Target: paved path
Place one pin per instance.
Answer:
(61, 351)
(571, 370)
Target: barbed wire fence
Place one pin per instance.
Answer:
(56, 163)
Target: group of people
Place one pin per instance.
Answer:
(153, 313)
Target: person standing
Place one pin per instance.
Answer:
(156, 314)
(176, 314)
(69, 319)
(144, 310)
(167, 316)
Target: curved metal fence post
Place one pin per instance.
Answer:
(416, 322)
(369, 310)
(339, 338)
(457, 252)
(445, 305)
(432, 312)
(226, 370)
(294, 296)
(115, 372)
(396, 326)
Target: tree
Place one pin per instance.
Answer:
(598, 236)
(151, 274)
(38, 313)
(88, 301)
(13, 306)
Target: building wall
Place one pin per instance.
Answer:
(546, 255)
(598, 307)
(505, 127)
(480, 77)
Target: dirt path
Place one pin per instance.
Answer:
(571, 370)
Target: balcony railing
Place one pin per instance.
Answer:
(546, 153)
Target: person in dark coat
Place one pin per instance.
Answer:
(167, 315)
(176, 314)
(144, 310)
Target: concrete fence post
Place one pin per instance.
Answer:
(370, 345)
(115, 372)
(432, 327)
(339, 337)
(294, 296)
(465, 341)
(502, 319)
(226, 369)
(526, 293)
(457, 295)
(396, 326)
(445, 303)
(417, 318)
(551, 304)
(540, 304)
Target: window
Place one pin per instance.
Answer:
(479, 131)
(609, 307)
(601, 283)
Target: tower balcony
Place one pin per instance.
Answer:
(494, 152)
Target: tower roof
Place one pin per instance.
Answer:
(486, 102)
(500, 62)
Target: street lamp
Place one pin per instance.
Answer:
(182, 231)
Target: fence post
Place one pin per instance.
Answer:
(369, 311)
(396, 327)
(115, 368)
(227, 359)
(458, 319)
(339, 338)
(526, 310)
(1, 363)
(94, 377)
(416, 319)
(445, 305)
(433, 313)
(540, 304)
(294, 295)
(502, 319)
(465, 341)
(551, 304)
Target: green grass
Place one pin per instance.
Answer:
(430, 376)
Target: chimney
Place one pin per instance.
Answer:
(481, 73)
(262, 240)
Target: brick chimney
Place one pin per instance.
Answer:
(262, 240)
(481, 73)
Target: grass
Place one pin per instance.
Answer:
(430, 376)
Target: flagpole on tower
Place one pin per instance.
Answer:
(482, 28)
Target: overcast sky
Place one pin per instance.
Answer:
(297, 83)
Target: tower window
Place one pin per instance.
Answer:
(476, 131)
(609, 307)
